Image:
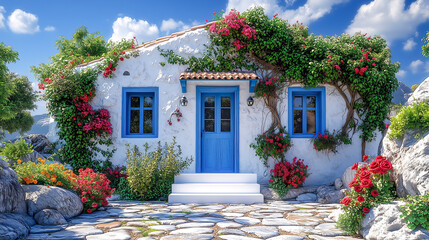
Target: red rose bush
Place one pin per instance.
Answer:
(286, 175)
(370, 187)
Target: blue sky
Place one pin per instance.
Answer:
(31, 27)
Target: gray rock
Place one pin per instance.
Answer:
(36, 229)
(32, 157)
(12, 196)
(297, 229)
(338, 184)
(207, 219)
(188, 237)
(227, 231)
(328, 194)
(192, 231)
(348, 176)
(49, 217)
(70, 233)
(195, 224)
(421, 93)
(163, 227)
(383, 223)
(236, 237)
(409, 157)
(40, 142)
(228, 224)
(270, 194)
(247, 220)
(15, 226)
(40, 197)
(278, 222)
(307, 197)
(117, 235)
(262, 231)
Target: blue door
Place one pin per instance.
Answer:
(217, 132)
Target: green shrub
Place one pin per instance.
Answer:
(416, 211)
(150, 174)
(13, 151)
(414, 87)
(410, 118)
(125, 192)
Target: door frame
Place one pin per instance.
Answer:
(215, 89)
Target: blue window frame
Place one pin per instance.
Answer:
(140, 112)
(307, 111)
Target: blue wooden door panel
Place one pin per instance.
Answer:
(217, 132)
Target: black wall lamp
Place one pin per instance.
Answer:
(250, 101)
(184, 101)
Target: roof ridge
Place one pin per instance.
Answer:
(154, 42)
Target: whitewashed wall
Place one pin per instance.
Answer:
(145, 71)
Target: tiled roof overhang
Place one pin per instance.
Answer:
(211, 76)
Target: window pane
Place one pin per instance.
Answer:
(225, 113)
(209, 125)
(297, 102)
(135, 121)
(225, 102)
(311, 101)
(147, 124)
(209, 102)
(209, 113)
(148, 101)
(225, 125)
(311, 121)
(297, 121)
(135, 101)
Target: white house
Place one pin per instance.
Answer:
(217, 125)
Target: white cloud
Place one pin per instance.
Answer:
(49, 28)
(401, 74)
(171, 24)
(23, 22)
(409, 44)
(415, 65)
(126, 27)
(2, 17)
(311, 11)
(390, 19)
(427, 67)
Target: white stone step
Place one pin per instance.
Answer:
(216, 178)
(216, 188)
(224, 198)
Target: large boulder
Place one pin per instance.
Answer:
(421, 93)
(12, 196)
(384, 223)
(328, 194)
(348, 176)
(410, 160)
(15, 226)
(40, 142)
(49, 217)
(40, 197)
(270, 194)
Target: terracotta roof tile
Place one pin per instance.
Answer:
(218, 75)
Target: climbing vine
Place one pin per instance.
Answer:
(69, 89)
(359, 67)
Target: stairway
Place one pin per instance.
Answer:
(216, 188)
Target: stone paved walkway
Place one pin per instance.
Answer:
(274, 220)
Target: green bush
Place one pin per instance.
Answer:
(125, 192)
(150, 174)
(410, 118)
(416, 211)
(13, 151)
(414, 87)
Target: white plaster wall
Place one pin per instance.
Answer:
(146, 71)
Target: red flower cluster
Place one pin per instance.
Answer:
(93, 189)
(292, 174)
(99, 125)
(41, 86)
(232, 25)
(364, 191)
(109, 71)
(277, 143)
(265, 87)
(327, 141)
